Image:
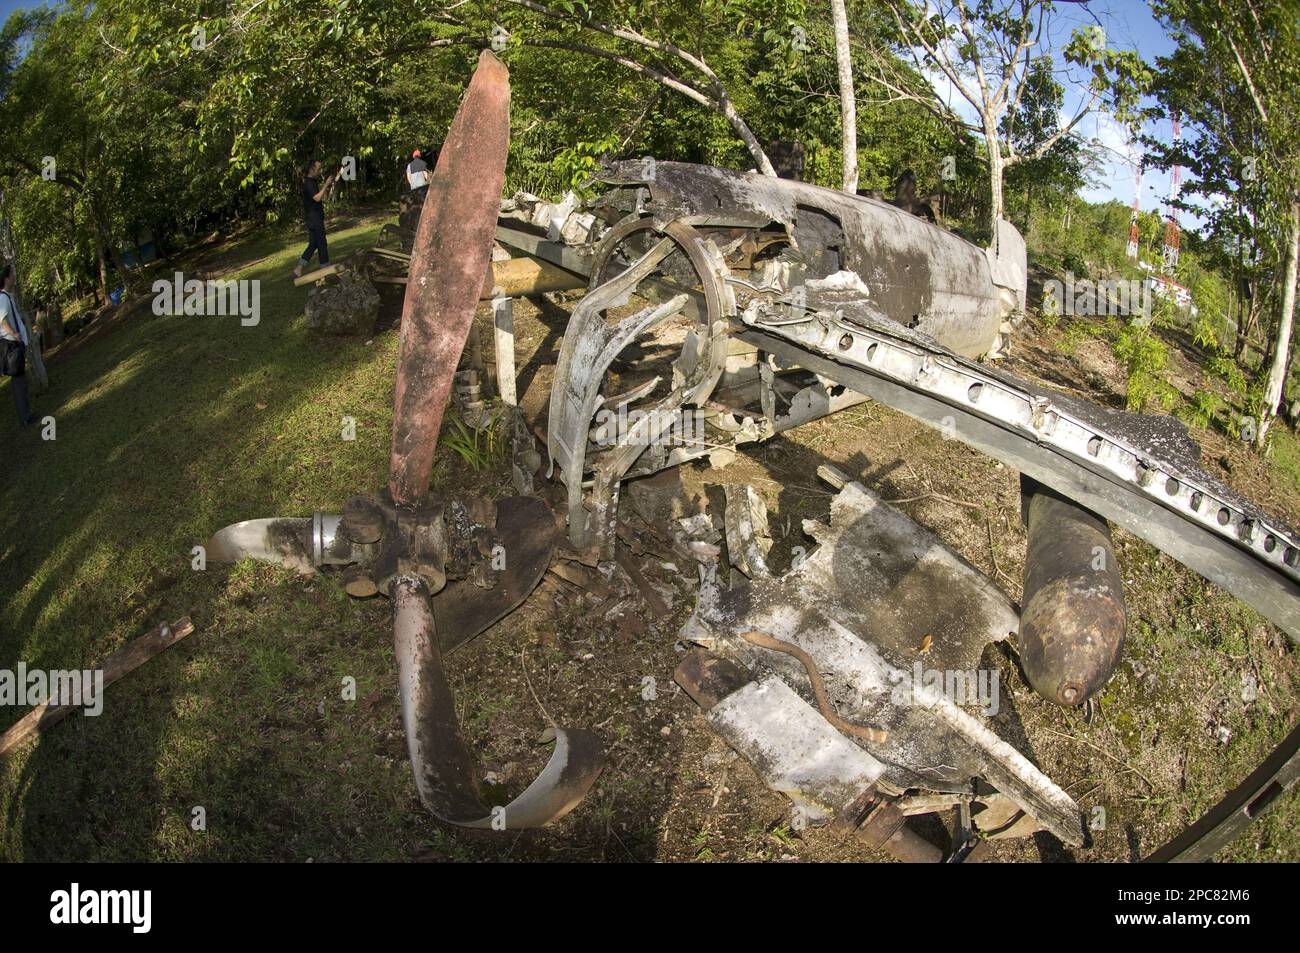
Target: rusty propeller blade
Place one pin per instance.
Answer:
(449, 263)
(452, 248)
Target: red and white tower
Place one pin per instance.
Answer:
(1171, 216)
(1133, 218)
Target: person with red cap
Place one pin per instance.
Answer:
(417, 174)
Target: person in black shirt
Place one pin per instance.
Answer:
(313, 212)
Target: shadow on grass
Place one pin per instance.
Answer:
(166, 429)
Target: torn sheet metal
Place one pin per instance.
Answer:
(879, 605)
(794, 749)
(949, 288)
(748, 538)
(591, 345)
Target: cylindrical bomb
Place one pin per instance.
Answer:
(1073, 620)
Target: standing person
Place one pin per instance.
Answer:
(417, 174)
(14, 336)
(313, 212)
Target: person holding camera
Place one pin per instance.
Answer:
(313, 210)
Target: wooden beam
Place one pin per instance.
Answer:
(503, 326)
(515, 278)
(125, 660)
(519, 277)
(320, 274)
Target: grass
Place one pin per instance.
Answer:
(168, 428)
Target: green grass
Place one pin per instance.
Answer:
(169, 428)
(1284, 449)
(161, 441)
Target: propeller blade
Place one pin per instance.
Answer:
(449, 262)
(445, 771)
(285, 542)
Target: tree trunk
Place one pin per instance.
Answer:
(848, 101)
(995, 178)
(1281, 349)
(54, 322)
(728, 111)
(100, 261)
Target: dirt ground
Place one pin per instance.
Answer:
(1151, 755)
(244, 717)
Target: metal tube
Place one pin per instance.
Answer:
(443, 766)
(1073, 621)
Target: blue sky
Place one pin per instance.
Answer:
(1128, 25)
(9, 6)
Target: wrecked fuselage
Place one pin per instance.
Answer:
(792, 302)
(712, 245)
(918, 274)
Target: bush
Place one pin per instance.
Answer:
(1144, 357)
(1227, 370)
(1201, 409)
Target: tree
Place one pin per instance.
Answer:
(1058, 171)
(1234, 72)
(848, 98)
(986, 51)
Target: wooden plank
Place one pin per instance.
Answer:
(320, 274)
(503, 320)
(125, 660)
(515, 278)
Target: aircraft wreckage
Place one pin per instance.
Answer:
(789, 302)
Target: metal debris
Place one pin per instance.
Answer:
(748, 538)
(858, 606)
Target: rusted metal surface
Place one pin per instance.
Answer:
(918, 274)
(885, 826)
(452, 249)
(1073, 622)
(445, 770)
(441, 761)
(524, 536)
(453, 246)
(798, 754)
